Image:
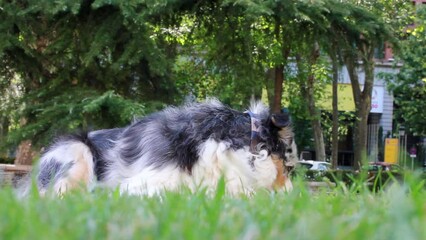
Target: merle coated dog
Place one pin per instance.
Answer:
(192, 146)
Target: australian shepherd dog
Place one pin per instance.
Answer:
(192, 146)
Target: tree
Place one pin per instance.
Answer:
(73, 61)
(113, 56)
(312, 40)
(333, 45)
(241, 40)
(336, 65)
(355, 38)
(362, 39)
(409, 86)
(217, 52)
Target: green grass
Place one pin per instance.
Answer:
(344, 213)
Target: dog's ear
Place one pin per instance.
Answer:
(280, 120)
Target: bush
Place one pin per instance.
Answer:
(375, 180)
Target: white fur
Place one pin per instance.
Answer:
(153, 181)
(216, 160)
(258, 107)
(81, 172)
(292, 157)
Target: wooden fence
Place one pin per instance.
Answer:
(10, 173)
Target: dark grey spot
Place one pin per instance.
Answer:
(50, 171)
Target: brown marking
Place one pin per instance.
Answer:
(280, 179)
(82, 170)
(78, 176)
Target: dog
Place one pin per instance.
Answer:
(193, 146)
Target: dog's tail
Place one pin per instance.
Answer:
(65, 165)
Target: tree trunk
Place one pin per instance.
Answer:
(309, 93)
(269, 85)
(4, 126)
(335, 127)
(360, 137)
(279, 68)
(274, 88)
(319, 140)
(362, 101)
(316, 121)
(315, 113)
(25, 154)
(278, 88)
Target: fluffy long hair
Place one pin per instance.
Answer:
(191, 146)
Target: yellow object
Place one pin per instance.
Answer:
(391, 150)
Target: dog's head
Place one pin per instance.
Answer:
(276, 136)
(284, 150)
(282, 138)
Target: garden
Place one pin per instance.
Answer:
(80, 66)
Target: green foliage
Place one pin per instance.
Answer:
(295, 97)
(409, 86)
(76, 109)
(195, 78)
(68, 57)
(223, 51)
(397, 14)
(346, 122)
(70, 65)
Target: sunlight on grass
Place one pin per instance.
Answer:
(399, 212)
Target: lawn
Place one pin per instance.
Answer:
(399, 212)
